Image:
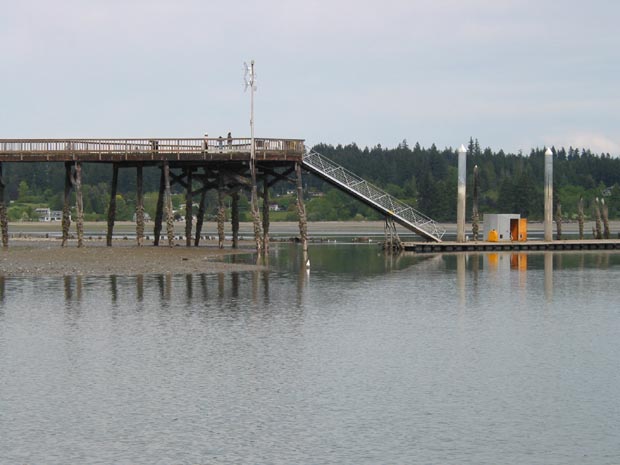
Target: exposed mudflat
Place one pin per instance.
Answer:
(40, 257)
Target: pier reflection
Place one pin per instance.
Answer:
(232, 290)
(285, 285)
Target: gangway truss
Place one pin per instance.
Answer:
(379, 200)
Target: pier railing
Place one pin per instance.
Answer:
(373, 196)
(24, 148)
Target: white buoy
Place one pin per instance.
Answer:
(308, 264)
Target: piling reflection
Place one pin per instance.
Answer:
(73, 287)
(548, 271)
(140, 287)
(461, 268)
(114, 289)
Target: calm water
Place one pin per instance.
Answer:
(454, 359)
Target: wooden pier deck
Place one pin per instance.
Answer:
(484, 246)
(149, 150)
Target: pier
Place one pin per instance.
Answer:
(196, 164)
(227, 165)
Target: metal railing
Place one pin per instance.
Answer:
(150, 145)
(402, 213)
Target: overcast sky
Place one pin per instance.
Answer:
(515, 74)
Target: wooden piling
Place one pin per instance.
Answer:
(139, 207)
(4, 224)
(112, 205)
(301, 210)
(66, 208)
(234, 217)
(79, 204)
(188, 209)
(265, 215)
(221, 212)
(558, 221)
(200, 216)
(605, 215)
(159, 209)
(168, 205)
(598, 233)
(580, 217)
(258, 233)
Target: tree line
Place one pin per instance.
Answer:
(425, 178)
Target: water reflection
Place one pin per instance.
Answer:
(243, 362)
(288, 275)
(518, 271)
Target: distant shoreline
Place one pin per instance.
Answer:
(278, 229)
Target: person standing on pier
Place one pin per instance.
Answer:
(220, 142)
(229, 140)
(205, 144)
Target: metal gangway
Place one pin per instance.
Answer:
(371, 195)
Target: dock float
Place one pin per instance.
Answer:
(484, 246)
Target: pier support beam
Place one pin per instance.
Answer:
(548, 195)
(79, 204)
(266, 215)
(221, 212)
(139, 207)
(4, 224)
(234, 217)
(301, 211)
(66, 208)
(460, 204)
(188, 210)
(112, 205)
(200, 216)
(168, 203)
(159, 209)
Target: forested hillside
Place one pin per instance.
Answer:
(425, 178)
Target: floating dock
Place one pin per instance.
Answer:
(485, 246)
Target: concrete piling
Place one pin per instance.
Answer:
(548, 195)
(460, 205)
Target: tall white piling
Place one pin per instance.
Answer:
(548, 195)
(460, 203)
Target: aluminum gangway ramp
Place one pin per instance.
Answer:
(372, 196)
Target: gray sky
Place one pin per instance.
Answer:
(514, 74)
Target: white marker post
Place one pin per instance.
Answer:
(548, 195)
(460, 203)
